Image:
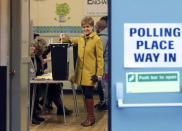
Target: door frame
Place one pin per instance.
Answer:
(19, 59)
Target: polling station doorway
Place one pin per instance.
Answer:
(146, 65)
(48, 21)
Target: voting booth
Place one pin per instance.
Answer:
(146, 65)
(60, 61)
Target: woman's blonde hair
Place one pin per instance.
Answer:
(87, 20)
(40, 44)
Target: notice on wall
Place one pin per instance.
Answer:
(96, 7)
(148, 82)
(152, 45)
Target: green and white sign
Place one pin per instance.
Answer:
(146, 82)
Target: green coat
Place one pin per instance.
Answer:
(90, 59)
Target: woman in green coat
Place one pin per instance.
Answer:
(89, 63)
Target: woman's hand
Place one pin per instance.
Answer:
(46, 60)
(99, 78)
(62, 35)
(45, 71)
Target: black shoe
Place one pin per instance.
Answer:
(35, 121)
(39, 119)
(67, 112)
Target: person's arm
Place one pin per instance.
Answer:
(100, 60)
(39, 67)
(64, 38)
(47, 51)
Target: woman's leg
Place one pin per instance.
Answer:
(88, 93)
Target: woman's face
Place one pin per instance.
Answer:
(32, 48)
(87, 29)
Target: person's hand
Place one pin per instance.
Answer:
(45, 71)
(99, 78)
(62, 35)
(46, 60)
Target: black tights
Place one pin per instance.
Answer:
(88, 91)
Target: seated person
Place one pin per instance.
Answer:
(54, 89)
(37, 68)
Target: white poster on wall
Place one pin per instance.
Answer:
(152, 45)
(96, 7)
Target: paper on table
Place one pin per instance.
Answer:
(47, 76)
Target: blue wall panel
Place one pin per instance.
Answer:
(142, 119)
